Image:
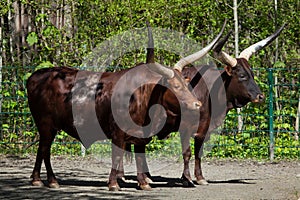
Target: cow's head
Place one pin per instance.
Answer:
(241, 87)
(176, 89)
(174, 80)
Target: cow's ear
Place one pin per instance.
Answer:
(228, 69)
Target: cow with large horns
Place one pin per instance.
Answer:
(218, 92)
(63, 98)
(240, 88)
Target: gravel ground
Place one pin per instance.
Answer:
(86, 178)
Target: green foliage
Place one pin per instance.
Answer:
(32, 38)
(5, 7)
(239, 146)
(45, 64)
(170, 146)
(89, 23)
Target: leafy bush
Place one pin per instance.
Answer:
(92, 22)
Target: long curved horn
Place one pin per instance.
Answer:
(261, 44)
(196, 56)
(150, 48)
(221, 55)
(162, 70)
(158, 68)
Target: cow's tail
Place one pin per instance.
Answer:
(128, 153)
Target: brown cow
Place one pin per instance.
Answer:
(240, 89)
(219, 91)
(63, 98)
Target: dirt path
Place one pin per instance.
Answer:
(85, 178)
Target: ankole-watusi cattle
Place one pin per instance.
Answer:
(64, 98)
(219, 92)
(240, 89)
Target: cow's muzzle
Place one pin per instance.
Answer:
(192, 106)
(197, 105)
(259, 98)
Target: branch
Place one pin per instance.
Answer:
(239, 4)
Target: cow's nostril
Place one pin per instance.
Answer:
(197, 104)
(260, 97)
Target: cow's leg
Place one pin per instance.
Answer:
(142, 167)
(186, 153)
(146, 170)
(46, 138)
(199, 141)
(120, 170)
(36, 179)
(50, 175)
(128, 156)
(117, 154)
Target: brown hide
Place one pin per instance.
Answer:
(90, 106)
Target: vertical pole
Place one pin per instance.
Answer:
(23, 32)
(275, 21)
(277, 104)
(271, 114)
(297, 124)
(83, 150)
(1, 43)
(1, 50)
(236, 28)
(10, 17)
(236, 46)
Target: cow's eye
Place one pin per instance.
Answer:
(242, 77)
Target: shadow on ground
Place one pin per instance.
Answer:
(18, 187)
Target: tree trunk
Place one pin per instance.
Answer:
(10, 35)
(277, 105)
(236, 46)
(18, 30)
(1, 50)
(297, 124)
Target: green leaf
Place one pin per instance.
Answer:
(32, 38)
(20, 93)
(5, 126)
(279, 64)
(45, 64)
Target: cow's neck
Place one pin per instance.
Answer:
(226, 79)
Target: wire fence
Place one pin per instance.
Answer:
(270, 130)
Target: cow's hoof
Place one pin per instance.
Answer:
(37, 183)
(114, 188)
(186, 182)
(148, 180)
(146, 187)
(202, 182)
(54, 185)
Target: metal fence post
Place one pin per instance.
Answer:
(271, 113)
